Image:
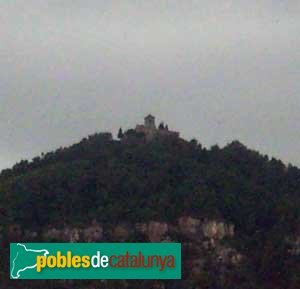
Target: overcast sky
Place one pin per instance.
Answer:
(213, 70)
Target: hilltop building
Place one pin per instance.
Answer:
(151, 131)
(149, 121)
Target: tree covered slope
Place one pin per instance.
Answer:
(133, 180)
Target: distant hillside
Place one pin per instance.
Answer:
(160, 180)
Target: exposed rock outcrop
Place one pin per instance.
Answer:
(188, 225)
(155, 231)
(202, 239)
(91, 233)
(217, 230)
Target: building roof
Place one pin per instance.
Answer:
(149, 116)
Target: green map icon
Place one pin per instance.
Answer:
(23, 259)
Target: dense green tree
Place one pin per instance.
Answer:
(120, 133)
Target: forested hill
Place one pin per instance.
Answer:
(134, 180)
(139, 180)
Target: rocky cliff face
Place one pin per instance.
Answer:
(185, 227)
(202, 240)
(193, 229)
(90, 233)
(205, 244)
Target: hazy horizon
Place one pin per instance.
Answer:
(214, 71)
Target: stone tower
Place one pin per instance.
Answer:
(150, 122)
